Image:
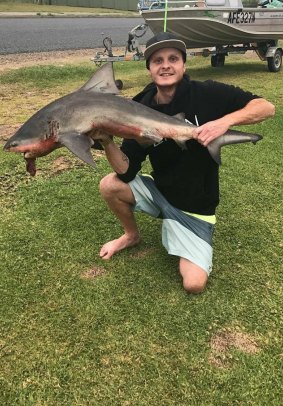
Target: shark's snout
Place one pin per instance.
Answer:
(14, 146)
(10, 144)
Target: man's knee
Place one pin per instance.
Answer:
(194, 277)
(108, 184)
(112, 189)
(194, 286)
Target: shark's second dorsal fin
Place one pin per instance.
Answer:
(180, 116)
(102, 81)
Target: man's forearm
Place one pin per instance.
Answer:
(255, 111)
(117, 159)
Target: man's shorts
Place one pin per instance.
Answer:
(183, 234)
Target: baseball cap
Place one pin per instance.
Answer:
(164, 40)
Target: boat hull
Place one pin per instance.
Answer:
(210, 27)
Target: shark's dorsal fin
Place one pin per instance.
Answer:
(102, 81)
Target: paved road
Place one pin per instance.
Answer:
(19, 35)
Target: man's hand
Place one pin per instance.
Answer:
(209, 131)
(101, 140)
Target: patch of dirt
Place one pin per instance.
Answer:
(61, 164)
(93, 273)
(16, 61)
(142, 253)
(225, 339)
(6, 131)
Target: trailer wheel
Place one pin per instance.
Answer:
(217, 60)
(119, 84)
(275, 62)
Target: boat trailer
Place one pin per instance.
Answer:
(132, 52)
(267, 51)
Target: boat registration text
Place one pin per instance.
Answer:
(241, 17)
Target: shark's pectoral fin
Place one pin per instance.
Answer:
(79, 145)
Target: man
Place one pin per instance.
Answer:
(183, 189)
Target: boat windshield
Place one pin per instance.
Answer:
(270, 3)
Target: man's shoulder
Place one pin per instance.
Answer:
(207, 84)
(149, 90)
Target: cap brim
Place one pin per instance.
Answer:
(168, 43)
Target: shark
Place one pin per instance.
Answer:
(76, 121)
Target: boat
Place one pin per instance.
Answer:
(225, 26)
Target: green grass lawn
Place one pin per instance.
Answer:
(75, 330)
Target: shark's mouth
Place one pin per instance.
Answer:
(30, 166)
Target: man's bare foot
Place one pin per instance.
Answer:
(114, 246)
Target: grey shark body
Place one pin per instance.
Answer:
(76, 120)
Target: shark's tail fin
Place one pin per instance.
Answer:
(231, 137)
(214, 148)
